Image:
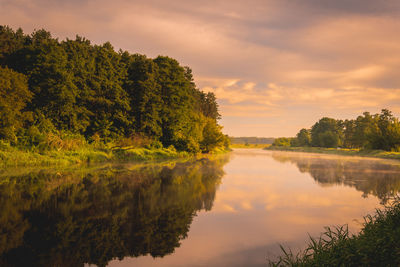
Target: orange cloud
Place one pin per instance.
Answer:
(296, 59)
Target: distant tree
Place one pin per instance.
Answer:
(386, 133)
(303, 138)
(357, 132)
(14, 95)
(364, 126)
(282, 141)
(326, 133)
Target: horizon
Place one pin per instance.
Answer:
(275, 66)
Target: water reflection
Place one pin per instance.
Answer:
(69, 218)
(380, 178)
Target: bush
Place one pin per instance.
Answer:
(377, 244)
(282, 141)
(135, 140)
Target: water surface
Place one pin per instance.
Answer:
(232, 210)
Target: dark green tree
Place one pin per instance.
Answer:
(14, 95)
(52, 82)
(10, 42)
(92, 90)
(209, 105)
(326, 132)
(303, 138)
(386, 133)
(145, 95)
(109, 103)
(178, 96)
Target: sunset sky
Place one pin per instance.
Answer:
(275, 66)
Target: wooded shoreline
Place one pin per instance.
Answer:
(339, 151)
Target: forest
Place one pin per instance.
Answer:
(57, 93)
(379, 132)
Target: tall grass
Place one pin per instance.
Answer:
(63, 154)
(65, 148)
(377, 244)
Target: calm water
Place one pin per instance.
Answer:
(233, 210)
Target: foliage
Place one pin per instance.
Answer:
(303, 138)
(379, 132)
(326, 133)
(14, 95)
(77, 88)
(282, 141)
(385, 133)
(378, 244)
(251, 140)
(213, 137)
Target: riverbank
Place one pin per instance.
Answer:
(345, 152)
(377, 244)
(250, 145)
(14, 157)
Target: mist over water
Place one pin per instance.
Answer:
(232, 210)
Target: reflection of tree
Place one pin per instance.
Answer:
(70, 219)
(376, 177)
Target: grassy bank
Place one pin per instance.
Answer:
(250, 145)
(377, 244)
(344, 152)
(13, 157)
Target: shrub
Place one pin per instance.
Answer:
(282, 141)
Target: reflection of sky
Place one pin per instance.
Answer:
(281, 64)
(260, 204)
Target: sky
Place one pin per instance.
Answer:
(276, 66)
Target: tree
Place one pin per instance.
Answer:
(51, 82)
(178, 96)
(82, 89)
(386, 133)
(303, 138)
(282, 141)
(145, 95)
(14, 95)
(10, 42)
(357, 132)
(326, 133)
(212, 136)
(209, 105)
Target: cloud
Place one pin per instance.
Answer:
(290, 58)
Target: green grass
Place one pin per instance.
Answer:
(127, 154)
(345, 152)
(377, 244)
(13, 157)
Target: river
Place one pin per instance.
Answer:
(229, 210)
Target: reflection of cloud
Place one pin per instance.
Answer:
(274, 204)
(296, 55)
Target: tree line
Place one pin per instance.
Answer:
(379, 131)
(76, 88)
